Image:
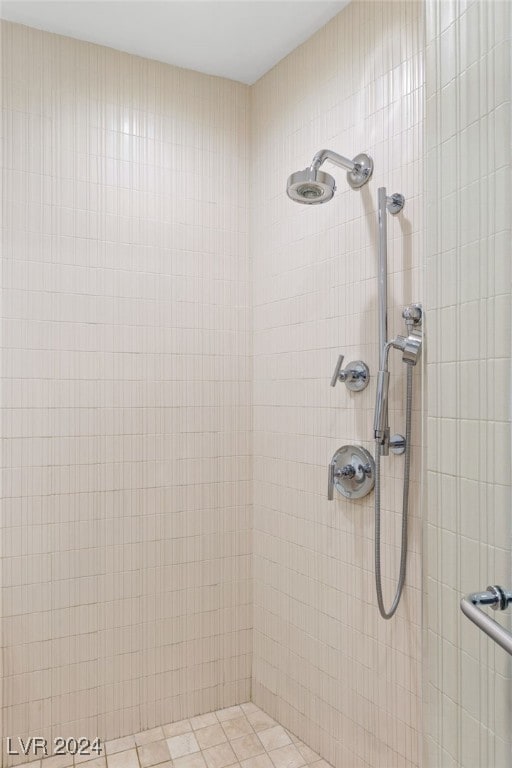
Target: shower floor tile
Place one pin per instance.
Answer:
(239, 737)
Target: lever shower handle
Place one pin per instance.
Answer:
(337, 371)
(355, 376)
(330, 482)
(332, 473)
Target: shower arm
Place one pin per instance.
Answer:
(333, 157)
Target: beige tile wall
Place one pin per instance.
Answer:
(325, 664)
(468, 142)
(126, 390)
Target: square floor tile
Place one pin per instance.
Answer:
(249, 707)
(119, 745)
(126, 759)
(202, 721)
(219, 757)
(177, 729)
(58, 761)
(210, 736)
(307, 753)
(154, 753)
(247, 746)
(179, 746)
(261, 761)
(274, 737)
(287, 757)
(190, 761)
(229, 713)
(260, 721)
(237, 727)
(146, 737)
(32, 764)
(92, 761)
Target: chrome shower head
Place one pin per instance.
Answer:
(312, 185)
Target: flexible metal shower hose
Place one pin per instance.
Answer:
(405, 507)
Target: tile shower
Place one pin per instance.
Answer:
(173, 577)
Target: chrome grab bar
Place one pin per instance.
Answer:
(499, 599)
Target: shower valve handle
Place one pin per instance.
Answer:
(356, 375)
(351, 472)
(337, 371)
(333, 474)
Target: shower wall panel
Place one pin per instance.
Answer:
(126, 391)
(469, 183)
(325, 664)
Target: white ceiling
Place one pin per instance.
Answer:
(237, 39)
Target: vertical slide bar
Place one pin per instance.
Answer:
(383, 275)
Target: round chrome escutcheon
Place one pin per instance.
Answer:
(353, 471)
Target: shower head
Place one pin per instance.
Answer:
(312, 185)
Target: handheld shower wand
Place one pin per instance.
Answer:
(381, 420)
(411, 349)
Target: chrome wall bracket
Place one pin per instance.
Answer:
(362, 172)
(395, 203)
(356, 375)
(351, 472)
(413, 316)
(397, 444)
